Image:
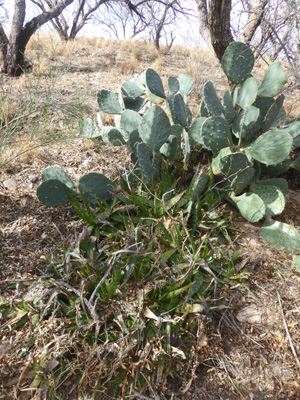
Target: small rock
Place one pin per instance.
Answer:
(87, 164)
(33, 178)
(10, 184)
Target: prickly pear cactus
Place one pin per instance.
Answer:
(243, 134)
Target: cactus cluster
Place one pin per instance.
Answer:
(240, 133)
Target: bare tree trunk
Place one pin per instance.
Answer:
(13, 49)
(254, 20)
(203, 21)
(219, 25)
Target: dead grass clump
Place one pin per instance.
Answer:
(180, 50)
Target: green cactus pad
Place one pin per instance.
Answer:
(195, 129)
(230, 111)
(236, 168)
(130, 89)
(182, 111)
(94, 186)
(248, 93)
(108, 102)
(280, 118)
(111, 135)
(203, 112)
(187, 148)
(211, 99)
(296, 163)
(273, 113)
(257, 169)
(281, 235)
(274, 81)
(59, 174)
(130, 120)
(133, 141)
(154, 83)
(170, 148)
(234, 94)
(272, 197)
(237, 62)
(280, 183)
(155, 127)
(245, 121)
(276, 169)
(115, 137)
(53, 193)
(251, 206)
(271, 147)
(186, 84)
(242, 180)
(88, 128)
(171, 108)
(293, 129)
(216, 134)
(134, 104)
(173, 85)
(216, 160)
(143, 153)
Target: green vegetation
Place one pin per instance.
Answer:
(239, 136)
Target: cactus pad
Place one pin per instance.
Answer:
(155, 127)
(108, 102)
(130, 120)
(271, 147)
(143, 153)
(154, 83)
(131, 89)
(94, 186)
(173, 85)
(215, 134)
(251, 206)
(247, 94)
(274, 81)
(237, 62)
(281, 235)
(53, 192)
(88, 128)
(59, 174)
(230, 111)
(182, 111)
(186, 84)
(212, 102)
(272, 197)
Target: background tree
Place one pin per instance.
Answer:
(121, 21)
(68, 23)
(13, 47)
(216, 24)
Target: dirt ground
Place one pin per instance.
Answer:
(253, 346)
